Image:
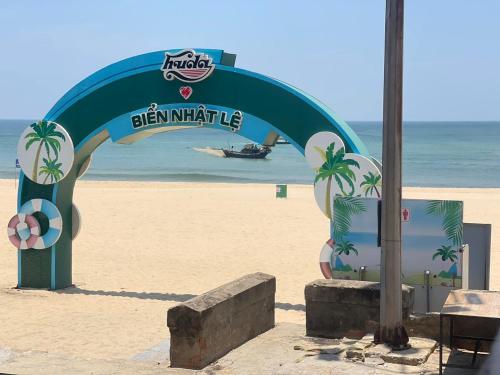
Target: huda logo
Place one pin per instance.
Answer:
(187, 66)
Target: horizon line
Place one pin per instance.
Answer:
(498, 120)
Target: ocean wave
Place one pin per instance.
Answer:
(210, 151)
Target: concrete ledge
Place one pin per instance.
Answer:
(338, 308)
(207, 327)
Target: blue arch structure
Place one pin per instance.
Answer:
(104, 104)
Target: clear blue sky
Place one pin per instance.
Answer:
(331, 49)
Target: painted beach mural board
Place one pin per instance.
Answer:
(432, 234)
(354, 228)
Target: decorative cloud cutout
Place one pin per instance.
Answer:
(338, 172)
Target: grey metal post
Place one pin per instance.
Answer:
(391, 330)
(362, 271)
(427, 282)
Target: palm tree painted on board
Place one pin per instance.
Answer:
(372, 183)
(447, 253)
(45, 134)
(345, 247)
(337, 167)
(343, 209)
(451, 212)
(52, 169)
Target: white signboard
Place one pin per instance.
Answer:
(45, 152)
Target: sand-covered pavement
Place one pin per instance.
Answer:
(146, 246)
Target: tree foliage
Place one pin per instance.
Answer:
(372, 183)
(343, 209)
(52, 169)
(337, 167)
(345, 247)
(446, 253)
(451, 212)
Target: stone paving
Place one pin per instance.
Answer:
(417, 354)
(281, 351)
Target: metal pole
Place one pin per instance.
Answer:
(362, 271)
(427, 279)
(392, 331)
(440, 344)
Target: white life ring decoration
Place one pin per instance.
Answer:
(325, 259)
(45, 152)
(53, 215)
(23, 231)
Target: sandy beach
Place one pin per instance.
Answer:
(144, 247)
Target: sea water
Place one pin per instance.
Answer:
(441, 154)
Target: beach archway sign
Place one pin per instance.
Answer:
(164, 91)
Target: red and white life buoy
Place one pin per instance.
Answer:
(23, 231)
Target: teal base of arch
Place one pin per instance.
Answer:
(101, 106)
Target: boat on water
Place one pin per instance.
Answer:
(282, 141)
(249, 151)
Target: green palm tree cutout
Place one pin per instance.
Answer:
(45, 134)
(336, 167)
(343, 209)
(446, 253)
(345, 247)
(452, 225)
(372, 183)
(51, 168)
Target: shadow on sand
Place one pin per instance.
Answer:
(158, 296)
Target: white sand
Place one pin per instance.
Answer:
(145, 246)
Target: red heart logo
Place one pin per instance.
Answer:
(186, 92)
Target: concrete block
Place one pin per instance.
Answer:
(337, 308)
(207, 327)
